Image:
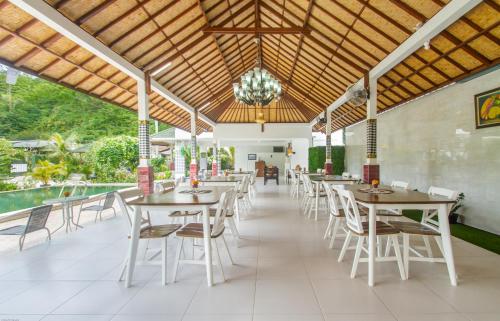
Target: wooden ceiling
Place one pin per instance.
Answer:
(334, 44)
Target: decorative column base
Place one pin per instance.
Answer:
(193, 171)
(328, 168)
(145, 177)
(214, 169)
(371, 172)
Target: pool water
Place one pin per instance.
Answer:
(18, 200)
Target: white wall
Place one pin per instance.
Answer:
(433, 141)
(253, 131)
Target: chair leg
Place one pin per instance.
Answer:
(21, 242)
(227, 250)
(397, 250)
(379, 248)
(355, 262)
(78, 219)
(96, 215)
(406, 253)
(164, 261)
(233, 228)
(388, 247)
(428, 246)
(440, 246)
(216, 248)
(122, 273)
(328, 228)
(177, 258)
(334, 232)
(49, 236)
(114, 211)
(345, 246)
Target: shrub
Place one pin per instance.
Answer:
(114, 159)
(317, 158)
(5, 186)
(44, 171)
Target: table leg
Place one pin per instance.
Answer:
(73, 217)
(372, 241)
(444, 227)
(207, 245)
(133, 244)
(68, 216)
(316, 201)
(64, 220)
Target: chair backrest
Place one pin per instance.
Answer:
(356, 176)
(429, 217)
(307, 184)
(109, 200)
(293, 176)
(400, 184)
(332, 201)
(243, 186)
(353, 219)
(123, 196)
(221, 212)
(38, 218)
(166, 186)
(253, 177)
(346, 174)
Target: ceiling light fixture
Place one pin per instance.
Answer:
(258, 87)
(165, 66)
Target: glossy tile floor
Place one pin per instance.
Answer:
(284, 272)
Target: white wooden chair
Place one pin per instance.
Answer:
(195, 231)
(360, 229)
(310, 197)
(243, 202)
(337, 216)
(428, 227)
(384, 215)
(148, 231)
(346, 174)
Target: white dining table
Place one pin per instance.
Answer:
(404, 200)
(317, 179)
(167, 202)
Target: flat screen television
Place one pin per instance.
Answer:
(252, 156)
(278, 149)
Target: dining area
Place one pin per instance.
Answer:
(374, 214)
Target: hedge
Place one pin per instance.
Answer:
(317, 157)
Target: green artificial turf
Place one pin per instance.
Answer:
(486, 240)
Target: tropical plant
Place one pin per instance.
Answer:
(62, 146)
(7, 155)
(112, 157)
(5, 186)
(44, 171)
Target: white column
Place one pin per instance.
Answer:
(371, 123)
(144, 171)
(328, 131)
(193, 166)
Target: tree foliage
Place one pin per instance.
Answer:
(7, 155)
(41, 108)
(114, 159)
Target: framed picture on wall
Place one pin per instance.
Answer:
(252, 156)
(487, 108)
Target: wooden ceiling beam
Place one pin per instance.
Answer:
(216, 43)
(255, 30)
(470, 39)
(118, 19)
(101, 7)
(301, 40)
(356, 67)
(287, 82)
(445, 33)
(143, 23)
(391, 39)
(409, 33)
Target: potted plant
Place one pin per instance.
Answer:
(453, 217)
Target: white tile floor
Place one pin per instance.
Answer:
(284, 272)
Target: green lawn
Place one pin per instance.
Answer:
(486, 240)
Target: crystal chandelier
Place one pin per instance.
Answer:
(258, 87)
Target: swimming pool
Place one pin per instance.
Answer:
(21, 199)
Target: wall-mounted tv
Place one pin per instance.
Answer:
(278, 149)
(252, 156)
